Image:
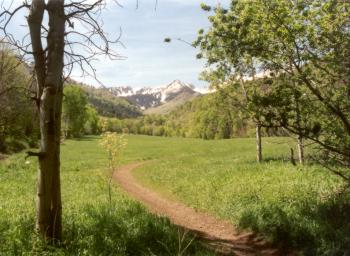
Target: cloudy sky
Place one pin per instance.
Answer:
(148, 60)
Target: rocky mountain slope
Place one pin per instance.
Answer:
(108, 104)
(174, 93)
(171, 105)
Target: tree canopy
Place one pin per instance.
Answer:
(299, 51)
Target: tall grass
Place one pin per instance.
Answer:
(296, 207)
(92, 225)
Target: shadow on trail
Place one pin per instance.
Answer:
(318, 228)
(247, 244)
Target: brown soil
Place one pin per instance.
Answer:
(220, 235)
(2, 157)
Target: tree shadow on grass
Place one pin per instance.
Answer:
(122, 228)
(314, 228)
(285, 159)
(126, 229)
(282, 159)
(269, 159)
(86, 138)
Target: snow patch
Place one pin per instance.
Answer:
(158, 95)
(122, 91)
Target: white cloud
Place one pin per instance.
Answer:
(149, 60)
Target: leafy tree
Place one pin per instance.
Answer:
(114, 144)
(304, 41)
(91, 125)
(238, 92)
(74, 111)
(17, 122)
(238, 89)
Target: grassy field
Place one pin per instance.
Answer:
(292, 206)
(92, 225)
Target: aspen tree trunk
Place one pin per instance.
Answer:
(49, 70)
(301, 149)
(258, 143)
(300, 136)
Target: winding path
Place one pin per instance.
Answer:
(220, 235)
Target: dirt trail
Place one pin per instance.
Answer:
(218, 234)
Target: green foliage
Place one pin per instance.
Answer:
(92, 121)
(92, 226)
(205, 7)
(18, 123)
(78, 117)
(212, 116)
(108, 105)
(301, 48)
(114, 144)
(74, 111)
(295, 207)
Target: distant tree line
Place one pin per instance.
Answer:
(18, 125)
(212, 116)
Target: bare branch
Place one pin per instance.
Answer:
(36, 154)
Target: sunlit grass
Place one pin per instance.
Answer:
(91, 224)
(291, 205)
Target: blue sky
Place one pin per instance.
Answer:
(148, 60)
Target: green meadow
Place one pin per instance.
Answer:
(92, 225)
(292, 206)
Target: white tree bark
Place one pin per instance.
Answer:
(301, 149)
(258, 143)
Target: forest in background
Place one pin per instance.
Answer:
(85, 108)
(214, 115)
(18, 116)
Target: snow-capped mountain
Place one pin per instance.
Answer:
(148, 97)
(122, 91)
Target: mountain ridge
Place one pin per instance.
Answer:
(148, 97)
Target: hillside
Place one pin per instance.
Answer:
(125, 102)
(109, 105)
(169, 96)
(172, 104)
(207, 116)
